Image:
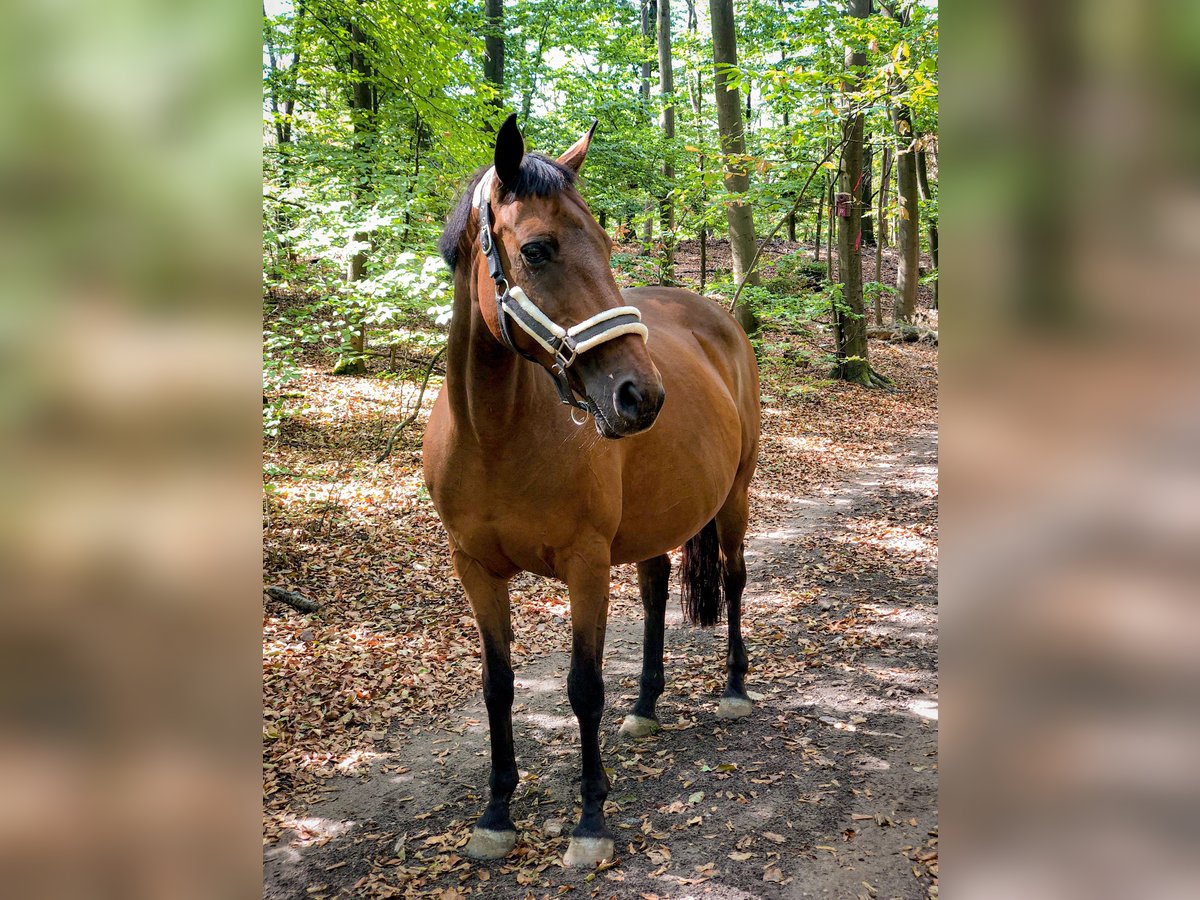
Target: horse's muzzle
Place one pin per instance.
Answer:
(635, 407)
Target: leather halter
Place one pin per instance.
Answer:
(564, 344)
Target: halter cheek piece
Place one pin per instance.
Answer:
(564, 344)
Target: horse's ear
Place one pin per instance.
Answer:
(510, 150)
(573, 158)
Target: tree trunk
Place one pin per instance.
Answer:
(850, 324)
(493, 46)
(362, 119)
(908, 234)
(649, 39)
(923, 185)
(740, 214)
(666, 203)
(885, 179)
(531, 86)
(820, 223)
(832, 229)
(868, 233)
(791, 216)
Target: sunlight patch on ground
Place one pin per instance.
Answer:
(925, 708)
(314, 830)
(356, 759)
(350, 493)
(911, 540)
(808, 443)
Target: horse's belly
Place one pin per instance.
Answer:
(661, 510)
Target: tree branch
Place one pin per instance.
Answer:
(387, 450)
(774, 231)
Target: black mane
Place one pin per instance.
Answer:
(539, 176)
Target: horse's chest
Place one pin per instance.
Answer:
(523, 515)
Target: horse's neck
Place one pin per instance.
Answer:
(488, 384)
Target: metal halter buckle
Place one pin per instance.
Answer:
(563, 362)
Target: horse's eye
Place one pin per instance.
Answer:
(535, 254)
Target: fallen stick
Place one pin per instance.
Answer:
(292, 599)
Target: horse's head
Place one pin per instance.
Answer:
(564, 310)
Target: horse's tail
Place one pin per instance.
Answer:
(703, 599)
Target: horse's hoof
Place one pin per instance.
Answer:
(733, 708)
(488, 844)
(588, 851)
(639, 726)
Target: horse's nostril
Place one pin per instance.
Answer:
(628, 399)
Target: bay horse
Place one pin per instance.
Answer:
(671, 385)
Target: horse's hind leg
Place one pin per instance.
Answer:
(653, 577)
(494, 833)
(731, 532)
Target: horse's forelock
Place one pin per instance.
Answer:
(539, 176)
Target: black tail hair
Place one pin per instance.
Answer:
(703, 599)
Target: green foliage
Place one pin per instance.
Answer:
(876, 289)
(279, 368)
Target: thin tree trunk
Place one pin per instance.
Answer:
(740, 214)
(885, 180)
(697, 98)
(882, 237)
(527, 99)
(832, 229)
(923, 185)
(649, 39)
(362, 119)
(791, 216)
(850, 325)
(821, 220)
(493, 46)
(868, 232)
(908, 232)
(666, 78)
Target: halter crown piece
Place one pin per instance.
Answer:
(565, 344)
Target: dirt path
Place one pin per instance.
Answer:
(828, 790)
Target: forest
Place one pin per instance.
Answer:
(781, 160)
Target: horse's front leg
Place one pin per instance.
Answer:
(494, 833)
(588, 580)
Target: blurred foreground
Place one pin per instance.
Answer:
(1071, 451)
(129, 547)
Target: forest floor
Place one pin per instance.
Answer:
(375, 739)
